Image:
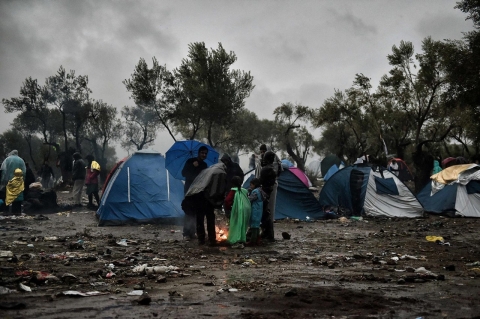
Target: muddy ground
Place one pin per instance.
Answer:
(328, 269)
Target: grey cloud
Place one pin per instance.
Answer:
(442, 26)
(350, 22)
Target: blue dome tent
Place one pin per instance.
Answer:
(456, 189)
(360, 190)
(140, 190)
(294, 199)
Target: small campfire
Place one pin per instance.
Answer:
(221, 233)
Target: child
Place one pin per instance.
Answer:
(238, 203)
(256, 197)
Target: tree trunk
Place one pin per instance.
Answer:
(423, 163)
(300, 162)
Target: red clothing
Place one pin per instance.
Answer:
(92, 176)
(229, 200)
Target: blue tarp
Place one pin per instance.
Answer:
(140, 191)
(294, 199)
(442, 201)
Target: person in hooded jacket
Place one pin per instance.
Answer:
(78, 177)
(91, 181)
(233, 169)
(9, 165)
(191, 169)
(268, 179)
(436, 167)
(14, 192)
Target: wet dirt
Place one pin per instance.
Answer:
(334, 268)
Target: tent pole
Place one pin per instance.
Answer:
(128, 184)
(168, 186)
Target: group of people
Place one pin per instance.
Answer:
(250, 211)
(17, 176)
(85, 174)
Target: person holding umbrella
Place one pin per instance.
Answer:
(190, 171)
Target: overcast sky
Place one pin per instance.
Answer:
(298, 51)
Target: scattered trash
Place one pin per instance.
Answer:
(144, 299)
(122, 242)
(135, 293)
(232, 290)
(286, 235)
(343, 220)
(434, 238)
(24, 287)
(73, 293)
(292, 292)
(357, 218)
(6, 254)
(477, 263)
(5, 290)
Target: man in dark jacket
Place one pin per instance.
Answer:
(268, 178)
(233, 169)
(190, 171)
(78, 177)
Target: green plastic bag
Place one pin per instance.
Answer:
(239, 217)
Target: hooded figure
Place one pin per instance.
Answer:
(436, 167)
(206, 192)
(15, 188)
(233, 169)
(9, 165)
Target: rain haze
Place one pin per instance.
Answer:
(297, 51)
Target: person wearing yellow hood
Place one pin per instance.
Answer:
(91, 181)
(14, 192)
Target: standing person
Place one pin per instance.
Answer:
(9, 165)
(256, 196)
(268, 178)
(14, 192)
(29, 179)
(206, 193)
(252, 162)
(78, 177)
(91, 181)
(46, 173)
(233, 169)
(393, 167)
(238, 203)
(190, 171)
(436, 167)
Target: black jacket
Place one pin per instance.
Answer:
(78, 170)
(190, 172)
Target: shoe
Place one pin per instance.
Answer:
(201, 242)
(212, 243)
(238, 246)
